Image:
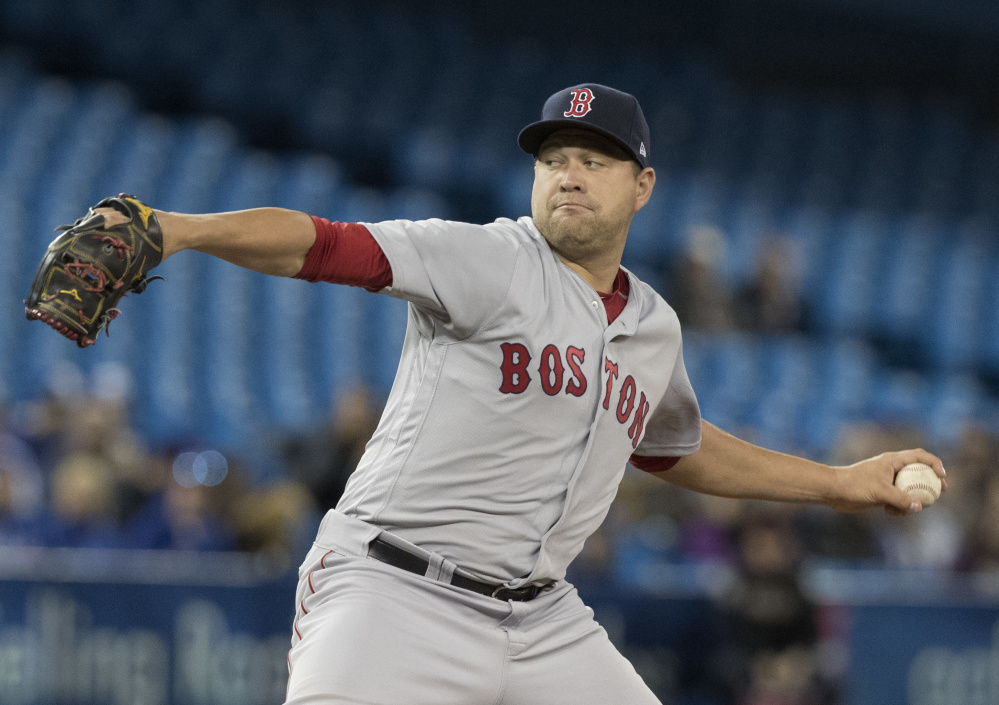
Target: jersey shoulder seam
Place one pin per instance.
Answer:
(499, 306)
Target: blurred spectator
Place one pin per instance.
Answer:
(981, 553)
(786, 677)
(180, 518)
(99, 415)
(973, 493)
(768, 626)
(82, 513)
(100, 425)
(975, 459)
(652, 521)
(274, 520)
(43, 423)
(695, 287)
(325, 459)
(706, 534)
(640, 527)
(21, 492)
(930, 539)
(771, 302)
(842, 538)
(139, 476)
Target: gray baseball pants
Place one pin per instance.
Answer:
(367, 633)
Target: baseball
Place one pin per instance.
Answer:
(919, 480)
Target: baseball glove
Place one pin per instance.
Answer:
(87, 270)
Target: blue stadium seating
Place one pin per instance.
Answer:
(892, 207)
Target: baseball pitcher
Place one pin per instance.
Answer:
(534, 369)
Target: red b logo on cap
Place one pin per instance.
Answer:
(581, 99)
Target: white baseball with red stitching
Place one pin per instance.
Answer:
(919, 480)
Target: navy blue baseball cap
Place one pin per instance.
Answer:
(590, 106)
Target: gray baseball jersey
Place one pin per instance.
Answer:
(516, 406)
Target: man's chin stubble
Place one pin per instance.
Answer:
(573, 243)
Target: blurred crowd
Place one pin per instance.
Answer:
(74, 473)
(769, 302)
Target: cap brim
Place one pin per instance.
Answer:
(533, 136)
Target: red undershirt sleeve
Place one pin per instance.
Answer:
(346, 253)
(650, 463)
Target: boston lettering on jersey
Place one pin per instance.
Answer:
(630, 404)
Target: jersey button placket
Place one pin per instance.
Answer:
(599, 312)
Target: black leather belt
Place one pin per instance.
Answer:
(385, 552)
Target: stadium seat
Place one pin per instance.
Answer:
(957, 285)
(845, 292)
(907, 278)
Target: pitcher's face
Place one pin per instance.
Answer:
(586, 191)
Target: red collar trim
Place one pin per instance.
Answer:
(615, 301)
(622, 287)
